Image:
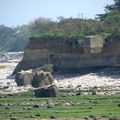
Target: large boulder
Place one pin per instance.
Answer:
(35, 77)
(47, 91)
(24, 78)
(42, 79)
(46, 68)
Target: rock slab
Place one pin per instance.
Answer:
(47, 91)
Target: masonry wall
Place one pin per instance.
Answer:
(65, 58)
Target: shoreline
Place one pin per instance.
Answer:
(107, 79)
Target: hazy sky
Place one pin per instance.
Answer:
(17, 12)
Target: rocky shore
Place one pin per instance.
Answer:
(104, 84)
(8, 62)
(106, 79)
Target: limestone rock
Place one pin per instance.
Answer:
(42, 79)
(36, 77)
(46, 68)
(47, 91)
(24, 78)
(71, 54)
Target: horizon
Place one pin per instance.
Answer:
(18, 12)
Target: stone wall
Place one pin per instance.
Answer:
(65, 57)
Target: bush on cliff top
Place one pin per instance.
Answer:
(51, 35)
(47, 36)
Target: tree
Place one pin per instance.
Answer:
(111, 21)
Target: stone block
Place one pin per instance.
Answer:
(42, 79)
(47, 91)
(23, 78)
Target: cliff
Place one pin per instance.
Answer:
(70, 54)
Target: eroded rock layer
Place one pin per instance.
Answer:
(92, 51)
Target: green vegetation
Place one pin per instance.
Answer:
(106, 25)
(13, 39)
(26, 105)
(47, 36)
(111, 20)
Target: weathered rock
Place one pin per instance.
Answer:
(24, 78)
(47, 91)
(46, 68)
(88, 52)
(42, 79)
(37, 77)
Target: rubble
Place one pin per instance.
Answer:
(36, 77)
(40, 79)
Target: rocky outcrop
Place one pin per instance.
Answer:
(70, 54)
(24, 78)
(46, 68)
(36, 77)
(42, 81)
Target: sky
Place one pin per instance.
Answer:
(18, 12)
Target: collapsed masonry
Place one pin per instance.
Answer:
(41, 79)
(64, 54)
(35, 77)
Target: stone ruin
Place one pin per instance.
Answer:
(24, 78)
(41, 80)
(47, 91)
(72, 54)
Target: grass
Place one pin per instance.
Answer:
(55, 36)
(47, 36)
(22, 105)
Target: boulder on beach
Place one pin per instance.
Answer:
(47, 91)
(36, 77)
(46, 68)
(42, 79)
(24, 78)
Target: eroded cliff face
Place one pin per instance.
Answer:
(67, 55)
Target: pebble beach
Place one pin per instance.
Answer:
(96, 79)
